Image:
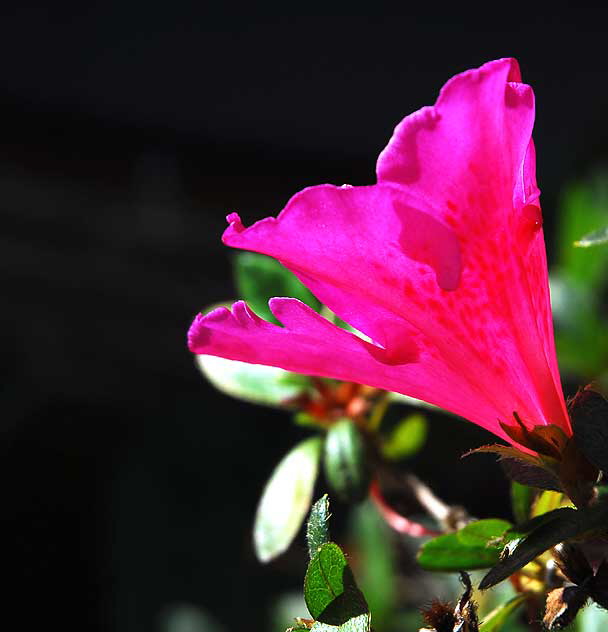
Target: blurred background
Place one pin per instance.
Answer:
(130, 129)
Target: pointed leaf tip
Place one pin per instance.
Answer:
(317, 527)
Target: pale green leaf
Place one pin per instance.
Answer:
(253, 383)
(317, 527)
(360, 623)
(286, 500)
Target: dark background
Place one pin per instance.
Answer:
(129, 131)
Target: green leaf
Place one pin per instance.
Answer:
(374, 543)
(547, 502)
(406, 438)
(345, 461)
(595, 238)
(478, 545)
(317, 529)
(522, 497)
(583, 209)
(286, 500)
(496, 619)
(330, 591)
(553, 527)
(253, 383)
(259, 278)
(361, 623)
(581, 335)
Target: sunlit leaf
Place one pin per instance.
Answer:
(286, 500)
(548, 501)
(317, 527)
(360, 623)
(253, 383)
(478, 545)
(406, 438)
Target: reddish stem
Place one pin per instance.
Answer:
(397, 521)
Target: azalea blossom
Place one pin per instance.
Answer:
(441, 264)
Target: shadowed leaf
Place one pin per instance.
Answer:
(589, 414)
(345, 462)
(330, 591)
(532, 475)
(553, 528)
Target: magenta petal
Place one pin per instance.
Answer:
(310, 345)
(442, 264)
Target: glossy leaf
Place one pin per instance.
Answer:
(330, 591)
(286, 500)
(317, 527)
(259, 278)
(406, 438)
(253, 383)
(496, 620)
(478, 545)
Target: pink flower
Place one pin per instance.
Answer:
(441, 264)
